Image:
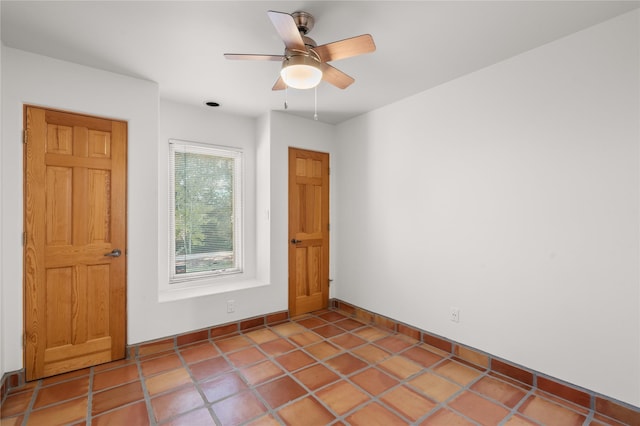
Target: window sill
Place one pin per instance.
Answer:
(206, 289)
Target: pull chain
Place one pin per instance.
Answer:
(315, 103)
(286, 92)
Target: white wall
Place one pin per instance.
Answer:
(513, 194)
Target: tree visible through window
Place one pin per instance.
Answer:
(205, 210)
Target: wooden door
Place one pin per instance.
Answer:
(308, 231)
(74, 256)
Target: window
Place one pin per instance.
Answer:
(205, 211)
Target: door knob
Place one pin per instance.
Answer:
(114, 253)
(294, 241)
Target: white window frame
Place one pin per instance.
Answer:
(177, 281)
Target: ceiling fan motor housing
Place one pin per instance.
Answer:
(304, 21)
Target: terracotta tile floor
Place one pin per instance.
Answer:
(318, 369)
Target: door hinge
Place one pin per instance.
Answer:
(24, 340)
(25, 136)
(329, 171)
(24, 238)
(328, 227)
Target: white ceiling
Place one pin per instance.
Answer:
(180, 45)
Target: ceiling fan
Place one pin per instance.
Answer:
(304, 64)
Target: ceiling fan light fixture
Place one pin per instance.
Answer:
(301, 72)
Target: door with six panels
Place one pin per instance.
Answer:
(308, 231)
(75, 241)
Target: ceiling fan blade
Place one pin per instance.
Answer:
(279, 85)
(250, 57)
(287, 29)
(345, 48)
(335, 76)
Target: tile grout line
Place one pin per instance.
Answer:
(145, 391)
(90, 397)
(32, 402)
(515, 409)
(423, 369)
(197, 384)
(463, 388)
(290, 374)
(347, 378)
(237, 370)
(400, 382)
(309, 393)
(274, 411)
(341, 377)
(207, 405)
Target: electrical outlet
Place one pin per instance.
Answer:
(231, 306)
(454, 314)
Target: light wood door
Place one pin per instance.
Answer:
(308, 231)
(74, 257)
